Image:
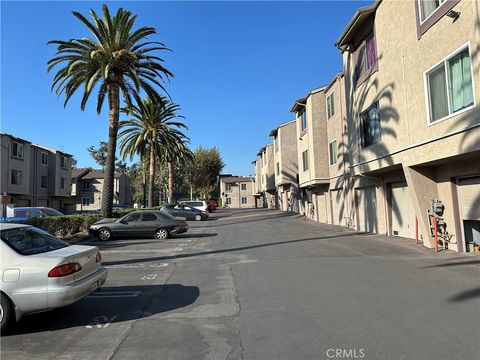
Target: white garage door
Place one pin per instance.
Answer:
(403, 215)
(338, 206)
(470, 198)
(321, 207)
(367, 209)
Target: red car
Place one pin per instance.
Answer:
(212, 205)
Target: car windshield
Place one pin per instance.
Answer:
(30, 240)
(50, 212)
(167, 215)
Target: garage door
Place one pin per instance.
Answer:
(403, 215)
(338, 206)
(322, 207)
(469, 191)
(42, 202)
(367, 209)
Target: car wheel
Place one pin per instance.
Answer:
(198, 217)
(161, 234)
(104, 234)
(6, 312)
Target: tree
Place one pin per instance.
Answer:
(202, 174)
(99, 154)
(151, 129)
(116, 60)
(74, 163)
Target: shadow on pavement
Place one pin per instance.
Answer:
(465, 295)
(221, 251)
(472, 262)
(110, 305)
(200, 235)
(104, 245)
(271, 217)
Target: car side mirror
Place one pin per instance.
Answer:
(123, 222)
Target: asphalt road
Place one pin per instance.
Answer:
(260, 284)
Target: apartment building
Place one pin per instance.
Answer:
(238, 191)
(412, 74)
(286, 166)
(34, 175)
(267, 177)
(87, 187)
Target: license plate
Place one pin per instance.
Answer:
(93, 287)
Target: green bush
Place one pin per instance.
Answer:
(63, 226)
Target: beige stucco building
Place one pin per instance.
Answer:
(412, 90)
(34, 175)
(238, 191)
(87, 187)
(266, 173)
(286, 166)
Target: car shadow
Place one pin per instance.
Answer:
(104, 245)
(201, 235)
(110, 305)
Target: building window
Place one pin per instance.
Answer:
(243, 187)
(17, 150)
(44, 159)
(366, 59)
(244, 200)
(228, 187)
(330, 105)
(278, 168)
(332, 152)
(44, 181)
(370, 126)
(63, 162)
(85, 201)
(303, 116)
(86, 185)
(305, 160)
(228, 201)
(17, 177)
(63, 182)
(450, 86)
(428, 7)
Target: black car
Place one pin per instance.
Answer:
(139, 223)
(188, 212)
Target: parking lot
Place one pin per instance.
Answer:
(261, 284)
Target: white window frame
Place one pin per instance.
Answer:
(332, 94)
(429, 16)
(302, 116)
(243, 187)
(19, 175)
(19, 144)
(305, 159)
(228, 187)
(329, 153)
(44, 156)
(64, 160)
(88, 201)
(244, 198)
(427, 86)
(86, 188)
(228, 201)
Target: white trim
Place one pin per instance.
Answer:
(433, 12)
(336, 162)
(41, 160)
(332, 93)
(427, 85)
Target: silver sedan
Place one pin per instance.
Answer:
(41, 272)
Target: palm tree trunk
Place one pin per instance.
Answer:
(191, 192)
(170, 181)
(151, 178)
(109, 175)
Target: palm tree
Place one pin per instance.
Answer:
(151, 129)
(175, 153)
(118, 60)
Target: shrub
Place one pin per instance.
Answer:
(63, 226)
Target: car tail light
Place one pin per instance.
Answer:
(183, 223)
(98, 258)
(65, 270)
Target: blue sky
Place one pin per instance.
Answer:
(238, 68)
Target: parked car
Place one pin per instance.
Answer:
(188, 212)
(139, 223)
(41, 272)
(197, 204)
(212, 205)
(26, 213)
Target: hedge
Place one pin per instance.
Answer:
(68, 225)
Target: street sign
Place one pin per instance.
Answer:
(5, 199)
